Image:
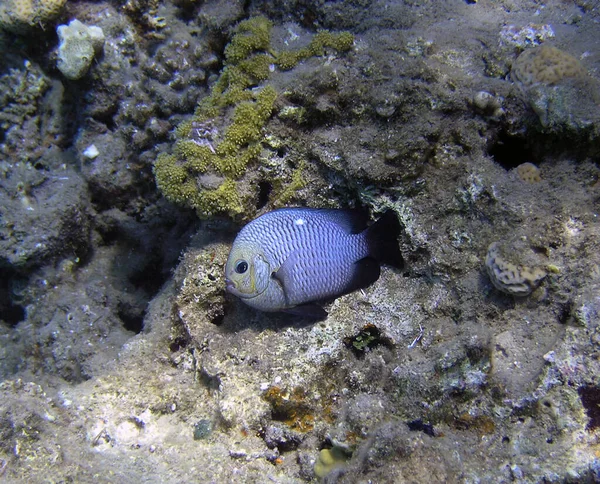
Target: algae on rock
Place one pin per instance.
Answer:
(208, 168)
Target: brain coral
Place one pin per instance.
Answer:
(19, 16)
(545, 65)
(510, 278)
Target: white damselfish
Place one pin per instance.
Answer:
(287, 259)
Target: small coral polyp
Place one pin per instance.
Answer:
(214, 149)
(529, 173)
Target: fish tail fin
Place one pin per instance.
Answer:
(382, 238)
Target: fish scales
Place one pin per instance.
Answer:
(310, 237)
(290, 257)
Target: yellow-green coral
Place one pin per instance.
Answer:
(204, 157)
(341, 42)
(20, 16)
(175, 183)
(298, 181)
(226, 199)
(288, 59)
(252, 35)
(240, 142)
(257, 67)
(323, 39)
(248, 119)
(198, 157)
(330, 459)
(172, 180)
(235, 164)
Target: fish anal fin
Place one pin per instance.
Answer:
(308, 311)
(366, 272)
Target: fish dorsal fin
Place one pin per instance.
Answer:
(351, 221)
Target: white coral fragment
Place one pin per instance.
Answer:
(78, 46)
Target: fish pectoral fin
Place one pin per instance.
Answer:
(308, 311)
(285, 275)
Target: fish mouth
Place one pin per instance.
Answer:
(231, 287)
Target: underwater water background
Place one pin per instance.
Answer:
(137, 138)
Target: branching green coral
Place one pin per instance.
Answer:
(257, 67)
(341, 42)
(298, 181)
(252, 35)
(226, 199)
(288, 59)
(203, 157)
(230, 157)
(175, 183)
(198, 157)
(172, 179)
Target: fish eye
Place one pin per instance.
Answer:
(241, 266)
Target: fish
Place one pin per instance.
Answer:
(290, 259)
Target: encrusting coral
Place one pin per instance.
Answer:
(79, 44)
(20, 16)
(529, 173)
(546, 65)
(215, 148)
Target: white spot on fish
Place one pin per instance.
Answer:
(299, 221)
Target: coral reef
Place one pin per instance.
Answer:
(553, 81)
(527, 36)
(122, 356)
(22, 91)
(225, 136)
(29, 202)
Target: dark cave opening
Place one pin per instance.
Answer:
(10, 312)
(132, 321)
(151, 276)
(510, 151)
(590, 399)
(264, 190)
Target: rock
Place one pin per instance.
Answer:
(78, 46)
